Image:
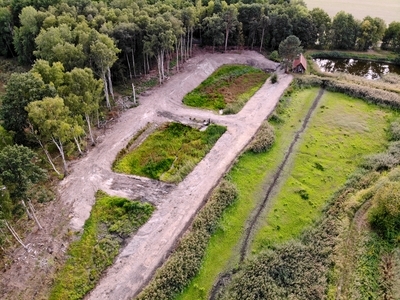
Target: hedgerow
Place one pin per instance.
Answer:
(186, 260)
(376, 96)
(264, 139)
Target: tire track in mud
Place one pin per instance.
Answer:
(225, 278)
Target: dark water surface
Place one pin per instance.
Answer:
(364, 68)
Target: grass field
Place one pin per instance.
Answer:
(325, 158)
(170, 153)
(388, 10)
(249, 175)
(342, 131)
(228, 88)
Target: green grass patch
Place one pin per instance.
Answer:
(111, 221)
(342, 131)
(170, 153)
(228, 88)
(248, 175)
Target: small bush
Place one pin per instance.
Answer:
(264, 139)
(274, 56)
(395, 131)
(385, 215)
(274, 78)
(380, 162)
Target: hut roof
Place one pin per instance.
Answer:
(300, 61)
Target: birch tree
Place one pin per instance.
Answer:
(104, 54)
(53, 122)
(18, 172)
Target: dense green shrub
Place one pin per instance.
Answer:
(274, 78)
(185, 261)
(385, 215)
(264, 139)
(274, 56)
(395, 131)
(381, 161)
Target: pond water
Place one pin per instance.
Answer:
(364, 68)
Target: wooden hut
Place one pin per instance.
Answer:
(299, 64)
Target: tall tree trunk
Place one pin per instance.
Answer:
(182, 57)
(78, 146)
(48, 157)
(32, 209)
(44, 148)
(15, 234)
(60, 148)
(134, 94)
(191, 42)
(177, 57)
(129, 65)
(144, 64)
(162, 65)
(262, 39)
(87, 117)
(110, 82)
(133, 63)
(103, 76)
(30, 217)
(187, 44)
(226, 38)
(159, 67)
(148, 63)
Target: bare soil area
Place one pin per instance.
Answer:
(30, 272)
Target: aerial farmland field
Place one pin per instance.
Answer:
(388, 10)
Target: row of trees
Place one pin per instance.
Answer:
(50, 105)
(131, 35)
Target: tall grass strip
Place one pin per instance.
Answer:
(111, 221)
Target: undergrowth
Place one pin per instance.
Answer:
(228, 88)
(111, 221)
(170, 153)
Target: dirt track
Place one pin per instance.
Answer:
(176, 204)
(149, 247)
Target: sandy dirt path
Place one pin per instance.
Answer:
(176, 208)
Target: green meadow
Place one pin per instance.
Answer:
(249, 175)
(169, 153)
(340, 132)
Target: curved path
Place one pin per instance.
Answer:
(176, 204)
